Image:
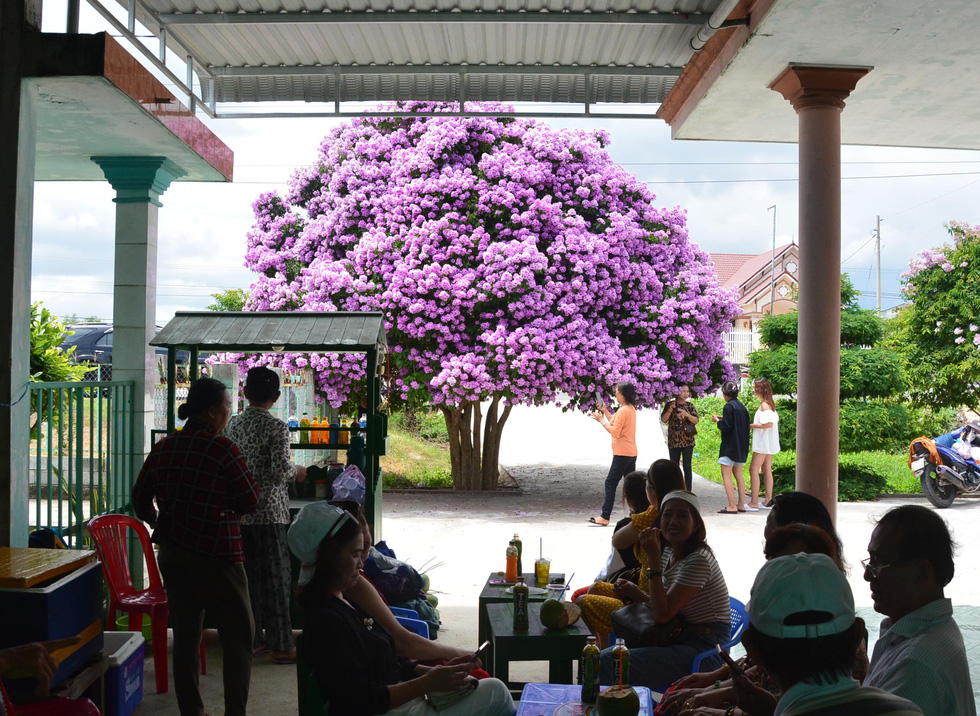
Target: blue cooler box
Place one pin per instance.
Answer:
(67, 605)
(124, 680)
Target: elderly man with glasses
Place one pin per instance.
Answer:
(919, 654)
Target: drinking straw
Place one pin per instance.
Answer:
(568, 583)
(541, 548)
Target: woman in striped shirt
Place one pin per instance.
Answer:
(688, 584)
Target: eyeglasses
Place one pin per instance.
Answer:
(875, 569)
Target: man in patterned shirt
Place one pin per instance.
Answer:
(264, 440)
(201, 486)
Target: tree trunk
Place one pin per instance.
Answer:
(474, 446)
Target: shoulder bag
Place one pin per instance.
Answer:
(635, 624)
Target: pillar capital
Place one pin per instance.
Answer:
(807, 86)
(139, 179)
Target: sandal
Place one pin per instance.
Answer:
(260, 650)
(726, 511)
(594, 521)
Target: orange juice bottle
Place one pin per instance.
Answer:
(344, 433)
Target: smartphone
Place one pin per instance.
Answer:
(479, 652)
(598, 399)
(733, 666)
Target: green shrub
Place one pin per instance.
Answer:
(425, 424)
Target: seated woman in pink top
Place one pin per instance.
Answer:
(622, 427)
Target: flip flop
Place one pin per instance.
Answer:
(596, 522)
(260, 650)
(284, 660)
(725, 511)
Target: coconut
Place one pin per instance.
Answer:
(558, 615)
(618, 701)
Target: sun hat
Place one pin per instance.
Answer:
(688, 497)
(314, 523)
(798, 583)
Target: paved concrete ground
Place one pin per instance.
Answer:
(559, 460)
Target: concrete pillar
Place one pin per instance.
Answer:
(18, 109)
(817, 94)
(139, 182)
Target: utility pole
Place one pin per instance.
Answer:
(772, 280)
(878, 255)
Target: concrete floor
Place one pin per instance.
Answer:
(559, 461)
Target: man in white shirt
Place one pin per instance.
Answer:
(919, 653)
(804, 633)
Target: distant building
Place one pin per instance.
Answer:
(753, 274)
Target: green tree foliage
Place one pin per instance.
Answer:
(938, 334)
(50, 364)
(873, 413)
(231, 300)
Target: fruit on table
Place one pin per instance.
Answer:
(425, 582)
(432, 599)
(616, 701)
(558, 615)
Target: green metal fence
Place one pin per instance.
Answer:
(81, 437)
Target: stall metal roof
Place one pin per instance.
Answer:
(579, 52)
(279, 331)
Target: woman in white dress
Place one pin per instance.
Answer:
(765, 442)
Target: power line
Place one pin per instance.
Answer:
(757, 181)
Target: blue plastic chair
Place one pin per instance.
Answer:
(416, 626)
(403, 612)
(740, 620)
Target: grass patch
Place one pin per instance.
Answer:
(417, 457)
(864, 475)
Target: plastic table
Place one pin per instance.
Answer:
(561, 648)
(545, 699)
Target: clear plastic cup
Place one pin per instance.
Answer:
(542, 570)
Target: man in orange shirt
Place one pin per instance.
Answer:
(622, 427)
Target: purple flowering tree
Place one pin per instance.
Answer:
(938, 332)
(515, 264)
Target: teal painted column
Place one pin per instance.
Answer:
(139, 182)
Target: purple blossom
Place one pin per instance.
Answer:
(508, 257)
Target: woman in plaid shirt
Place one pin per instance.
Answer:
(202, 486)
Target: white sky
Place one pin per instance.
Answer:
(725, 188)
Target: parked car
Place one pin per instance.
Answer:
(93, 344)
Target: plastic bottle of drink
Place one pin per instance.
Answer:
(520, 553)
(304, 436)
(315, 432)
(511, 574)
(293, 426)
(588, 671)
(344, 434)
(621, 663)
(522, 620)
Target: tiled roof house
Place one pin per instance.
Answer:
(752, 274)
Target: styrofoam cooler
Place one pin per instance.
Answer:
(124, 680)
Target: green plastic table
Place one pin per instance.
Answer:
(561, 648)
(497, 594)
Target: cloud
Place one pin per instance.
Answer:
(202, 227)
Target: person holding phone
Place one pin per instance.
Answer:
(352, 657)
(622, 427)
(681, 417)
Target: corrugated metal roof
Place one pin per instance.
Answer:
(288, 331)
(557, 51)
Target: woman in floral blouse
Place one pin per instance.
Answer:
(681, 416)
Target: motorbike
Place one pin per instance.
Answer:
(946, 465)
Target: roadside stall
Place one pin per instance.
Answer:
(292, 332)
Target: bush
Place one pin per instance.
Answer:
(424, 424)
(856, 480)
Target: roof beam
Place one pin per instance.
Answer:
(341, 70)
(451, 17)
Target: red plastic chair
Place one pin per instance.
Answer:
(109, 532)
(51, 707)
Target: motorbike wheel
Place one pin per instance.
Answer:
(941, 496)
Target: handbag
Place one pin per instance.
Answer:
(689, 429)
(635, 624)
